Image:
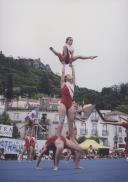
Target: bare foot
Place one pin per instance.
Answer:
(93, 57)
(51, 48)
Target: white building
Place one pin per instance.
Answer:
(53, 119)
(112, 136)
(109, 135)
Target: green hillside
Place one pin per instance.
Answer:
(28, 77)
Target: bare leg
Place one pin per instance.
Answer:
(62, 57)
(57, 54)
(70, 144)
(40, 157)
(31, 153)
(59, 148)
(62, 113)
(70, 114)
(24, 150)
(77, 159)
(82, 57)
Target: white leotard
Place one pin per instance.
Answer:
(70, 49)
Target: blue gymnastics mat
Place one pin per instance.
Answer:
(97, 170)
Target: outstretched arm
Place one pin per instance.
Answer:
(63, 74)
(23, 125)
(112, 123)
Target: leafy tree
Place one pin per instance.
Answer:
(122, 108)
(44, 85)
(9, 87)
(16, 133)
(81, 139)
(5, 120)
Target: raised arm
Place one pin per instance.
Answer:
(73, 74)
(62, 74)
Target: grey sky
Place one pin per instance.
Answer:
(99, 27)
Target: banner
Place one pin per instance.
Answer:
(15, 146)
(6, 130)
(11, 146)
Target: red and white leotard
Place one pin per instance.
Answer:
(67, 93)
(27, 142)
(32, 142)
(51, 140)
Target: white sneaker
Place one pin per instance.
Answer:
(19, 158)
(55, 168)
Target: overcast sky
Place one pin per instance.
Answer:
(99, 27)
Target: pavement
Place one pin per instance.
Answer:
(97, 170)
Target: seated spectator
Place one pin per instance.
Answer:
(2, 157)
(91, 152)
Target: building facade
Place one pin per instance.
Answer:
(89, 126)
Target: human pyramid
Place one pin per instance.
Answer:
(58, 142)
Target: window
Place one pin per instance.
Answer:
(120, 129)
(83, 130)
(56, 118)
(94, 125)
(16, 116)
(105, 131)
(105, 142)
(120, 140)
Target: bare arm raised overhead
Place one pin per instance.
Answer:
(62, 75)
(73, 74)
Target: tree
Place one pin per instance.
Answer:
(5, 120)
(123, 108)
(81, 139)
(16, 133)
(9, 87)
(44, 85)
